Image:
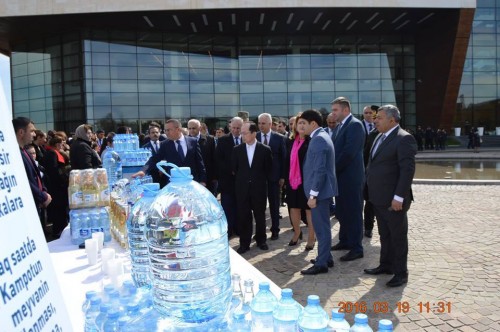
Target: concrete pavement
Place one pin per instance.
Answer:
(454, 265)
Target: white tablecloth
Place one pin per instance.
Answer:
(76, 276)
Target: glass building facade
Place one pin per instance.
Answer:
(111, 78)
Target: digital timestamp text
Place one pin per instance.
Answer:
(402, 307)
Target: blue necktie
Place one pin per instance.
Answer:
(180, 151)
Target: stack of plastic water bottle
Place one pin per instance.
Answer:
(84, 222)
(127, 146)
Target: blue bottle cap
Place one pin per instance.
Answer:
(114, 314)
(286, 292)
(95, 300)
(336, 314)
(361, 319)
(313, 300)
(264, 285)
(90, 294)
(105, 306)
(181, 173)
(239, 315)
(151, 186)
(385, 325)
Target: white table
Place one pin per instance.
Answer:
(76, 277)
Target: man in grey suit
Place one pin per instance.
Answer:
(320, 185)
(389, 176)
(349, 140)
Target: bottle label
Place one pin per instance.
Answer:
(84, 233)
(77, 198)
(89, 198)
(97, 229)
(105, 195)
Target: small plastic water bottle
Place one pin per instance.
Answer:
(384, 325)
(111, 323)
(86, 304)
(103, 315)
(338, 322)
(286, 313)
(262, 306)
(237, 298)
(91, 315)
(313, 317)
(239, 323)
(109, 163)
(361, 324)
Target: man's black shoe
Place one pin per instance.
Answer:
(263, 246)
(398, 280)
(350, 256)
(275, 236)
(330, 263)
(242, 250)
(368, 233)
(339, 246)
(378, 270)
(313, 270)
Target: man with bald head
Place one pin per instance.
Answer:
(224, 173)
(207, 146)
(276, 142)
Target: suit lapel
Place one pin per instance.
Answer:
(384, 143)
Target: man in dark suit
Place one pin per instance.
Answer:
(180, 150)
(320, 185)
(371, 133)
(349, 140)
(25, 131)
(331, 124)
(252, 168)
(161, 138)
(154, 146)
(224, 172)
(207, 146)
(277, 144)
(389, 176)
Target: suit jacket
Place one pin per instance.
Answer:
(33, 174)
(368, 145)
(319, 166)
(192, 159)
(223, 160)
(349, 141)
(364, 123)
(253, 177)
(391, 169)
(277, 145)
(207, 146)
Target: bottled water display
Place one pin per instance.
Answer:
(186, 232)
(361, 324)
(313, 317)
(136, 239)
(91, 315)
(127, 147)
(338, 322)
(88, 188)
(84, 222)
(286, 313)
(239, 323)
(262, 306)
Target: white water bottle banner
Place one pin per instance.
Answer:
(30, 298)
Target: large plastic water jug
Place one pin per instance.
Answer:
(186, 232)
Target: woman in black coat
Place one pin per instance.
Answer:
(81, 154)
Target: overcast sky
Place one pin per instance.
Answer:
(5, 78)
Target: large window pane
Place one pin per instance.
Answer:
(125, 99)
(123, 59)
(225, 87)
(150, 86)
(151, 99)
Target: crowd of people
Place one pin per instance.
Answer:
(362, 168)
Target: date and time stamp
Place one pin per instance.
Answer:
(401, 307)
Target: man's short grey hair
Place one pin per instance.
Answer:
(391, 111)
(236, 118)
(267, 116)
(198, 123)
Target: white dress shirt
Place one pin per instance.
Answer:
(251, 152)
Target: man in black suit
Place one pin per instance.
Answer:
(389, 176)
(180, 150)
(207, 146)
(161, 138)
(25, 131)
(277, 144)
(224, 173)
(252, 167)
(154, 146)
(368, 213)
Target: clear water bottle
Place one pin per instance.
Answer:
(105, 223)
(385, 325)
(186, 231)
(84, 226)
(239, 323)
(103, 315)
(262, 306)
(111, 323)
(75, 225)
(286, 313)
(136, 240)
(237, 298)
(86, 304)
(248, 296)
(313, 317)
(360, 324)
(123, 322)
(110, 159)
(338, 322)
(91, 315)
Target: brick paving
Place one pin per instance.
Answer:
(454, 238)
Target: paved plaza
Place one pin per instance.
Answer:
(454, 265)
